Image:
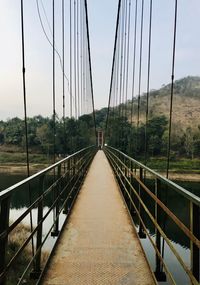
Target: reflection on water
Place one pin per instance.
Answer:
(175, 202)
(178, 274)
(16, 213)
(7, 180)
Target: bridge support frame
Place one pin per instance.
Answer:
(159, 273)
(37, 264)
(130, 190)
(141, 232)
(68, 178)
(195, 229)
(56, 231)
(4, 218)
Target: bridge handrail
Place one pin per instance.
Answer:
(10, 189)
(192, 197)
(133, 186)
(68, 176)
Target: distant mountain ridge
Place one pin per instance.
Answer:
(186, 86)
(186, 103)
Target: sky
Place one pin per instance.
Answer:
(102, 21)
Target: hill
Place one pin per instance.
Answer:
(186, 103)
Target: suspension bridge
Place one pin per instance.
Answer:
(103, 202)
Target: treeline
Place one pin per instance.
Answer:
(71, 134)
(131, 139)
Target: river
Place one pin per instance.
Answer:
(175, 202)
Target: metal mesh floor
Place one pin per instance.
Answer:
(99, 245)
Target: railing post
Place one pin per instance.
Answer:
(130, 189)
(75, 176)
(74, 169)
(55, 231)
(66, 208)
(4, 224)
(124, 176)
(195, 228)
(159, 274)
(141, 229)
(132, 209)
(71, 182)
(126, 173)
(37, 264)
(78, 171)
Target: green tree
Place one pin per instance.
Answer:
(189, 142)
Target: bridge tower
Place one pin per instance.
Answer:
(100, 138)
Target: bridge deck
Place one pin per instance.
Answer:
(99, 245)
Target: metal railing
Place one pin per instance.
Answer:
(142, 187)
(60, 183)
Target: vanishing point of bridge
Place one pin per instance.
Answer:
(96, 207)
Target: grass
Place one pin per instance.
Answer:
(18, 157)
(15, 241)
(181, 165)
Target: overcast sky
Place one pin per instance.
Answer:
(102, 20)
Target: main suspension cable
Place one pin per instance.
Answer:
(49, 41)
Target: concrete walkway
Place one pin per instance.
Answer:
(99, 245)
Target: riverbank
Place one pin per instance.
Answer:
(176, 176)
(14, 162)
(21, 168)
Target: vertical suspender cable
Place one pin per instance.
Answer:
(24, 88)
(84, 68)
(53, 86)
(63, 74)
(70, 54)
(171, 109)
(124, 57)
(78, 61)
(124, 76)
(117, 64)
(113, 63)
(140, 70)
(25, 115)
(117, 60)
(172, 87)
(127, 63)
(63, 55)
(81, 58)
(134, 61)
(148, 82)
(75, 85)
(121, 57)
(90, 67)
